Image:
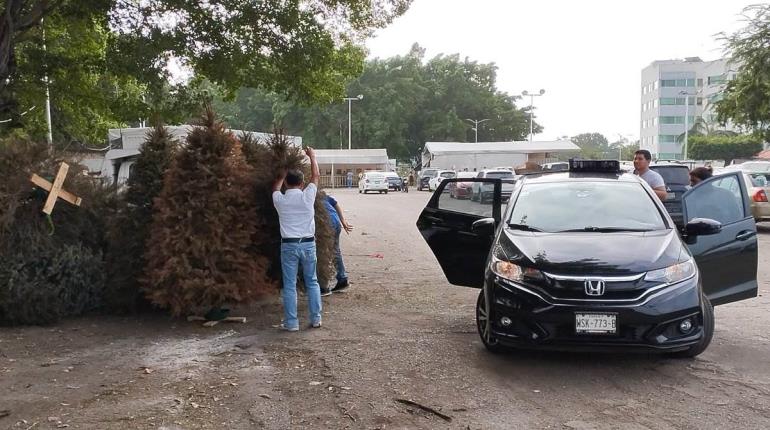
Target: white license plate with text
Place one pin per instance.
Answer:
(595, 323)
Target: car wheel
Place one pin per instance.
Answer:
(359, 191)
(386, 191)
(482, 315)
(708, 331)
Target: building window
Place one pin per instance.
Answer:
(667, 138)
(715, 97)
(668, 83)
(718, 79)
(667, 101)
(699, 101)
(700, 82)
(675, 119)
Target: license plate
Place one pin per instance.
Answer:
(594, 323)
(670, 196)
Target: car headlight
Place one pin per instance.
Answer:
(672, 274)
(514, 272)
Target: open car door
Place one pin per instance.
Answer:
(727, 260)
(447, 225)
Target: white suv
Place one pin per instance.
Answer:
(373, 181)
(483, 192)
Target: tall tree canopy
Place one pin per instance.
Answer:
(122, 51)
(746, 99)
(407, 100)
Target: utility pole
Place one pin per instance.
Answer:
(476, 126)
(531, 103)
(350, 101)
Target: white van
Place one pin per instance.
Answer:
(373, 181)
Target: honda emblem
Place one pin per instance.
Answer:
(594, 288)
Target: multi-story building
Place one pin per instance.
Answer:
(666, 88)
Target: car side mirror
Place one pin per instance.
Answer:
(484, 227)
(702, 227)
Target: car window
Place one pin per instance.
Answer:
(719, 199)
(498, 175)
(447, 203)
(673, 175)
(447, 174)
(758, 180)
(586, 206)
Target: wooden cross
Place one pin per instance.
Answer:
(54, 190)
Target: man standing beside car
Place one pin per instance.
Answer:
(642, 169)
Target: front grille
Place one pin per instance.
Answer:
(565, 288)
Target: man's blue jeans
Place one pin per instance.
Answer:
(294, 255)
(341, 274)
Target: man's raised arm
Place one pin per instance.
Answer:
(315, 174)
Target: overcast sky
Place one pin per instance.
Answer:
(587, 55)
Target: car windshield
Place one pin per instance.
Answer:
(585, 206)
(426, 173)
(499, 175)
(673, 175)
(447, 175)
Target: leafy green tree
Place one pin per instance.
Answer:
(701, 127)
(108, 61)
(407, 101)
(724, 147)
(746, 99)
(592, 145)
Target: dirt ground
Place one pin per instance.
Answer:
(401, 332)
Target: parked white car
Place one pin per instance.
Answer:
(442, 174)
(373, 181)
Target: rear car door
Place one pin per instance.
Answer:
(727, 260)
(446, 224)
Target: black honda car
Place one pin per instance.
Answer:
(589, 259)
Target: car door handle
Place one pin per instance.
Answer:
(745, 235)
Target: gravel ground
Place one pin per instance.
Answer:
(401, 332)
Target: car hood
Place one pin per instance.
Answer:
(587, 253)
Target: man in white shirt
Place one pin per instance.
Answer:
(296, 216)
(642, 169)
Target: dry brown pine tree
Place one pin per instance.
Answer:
(201, 252)
(267, 158)
(130, 228)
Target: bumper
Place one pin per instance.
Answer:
(375, 187)
(650, 324)
(761, 211)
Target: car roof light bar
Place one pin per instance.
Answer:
(603, 166)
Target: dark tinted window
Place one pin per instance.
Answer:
(448, 174)
(673, 175)
(554, 207)
(719, 199)
(498, 175)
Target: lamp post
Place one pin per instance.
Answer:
(476, 123)
(350, 101)
(686, 120)
(531, 102)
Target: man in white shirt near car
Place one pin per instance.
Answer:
(296, 216)
(642, 169)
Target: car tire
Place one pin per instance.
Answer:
(708, 331)
(490, 342)
(359, 191)
(386, 191)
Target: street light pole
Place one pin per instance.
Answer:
(686, 120)
(476, 126)
(350, 101)
(531, 103)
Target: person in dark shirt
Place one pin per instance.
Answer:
(338, 223)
